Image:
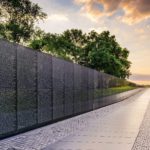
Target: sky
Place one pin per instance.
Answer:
(128, 20)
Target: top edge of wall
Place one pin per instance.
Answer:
(38, 51)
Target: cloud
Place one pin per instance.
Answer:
(134, 10)
(90, 8)
(140, 78)
(57, 17)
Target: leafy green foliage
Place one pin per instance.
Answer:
(107, 55)
(113, 90)
(18, 18)
(98, 51)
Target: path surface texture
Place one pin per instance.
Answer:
(121, 126)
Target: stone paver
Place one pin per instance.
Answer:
(143, 139)
(116, 131)
(113, 127)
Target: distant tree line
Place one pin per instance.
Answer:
(99, 51)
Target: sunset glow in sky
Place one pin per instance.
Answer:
(129, 20)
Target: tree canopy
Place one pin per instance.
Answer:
(18, 18)
(98, 51)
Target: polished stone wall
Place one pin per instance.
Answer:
(38, 89)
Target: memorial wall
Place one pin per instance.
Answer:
(37, 89)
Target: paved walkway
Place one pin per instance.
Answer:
(115, 127)
(116, 131)
(142, 141)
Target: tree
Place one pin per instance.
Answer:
(53, 44)
(98, 51)
(74, 42)
(18, 18)
(107, 55)
(67, 45)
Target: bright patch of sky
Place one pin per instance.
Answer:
(131, 25)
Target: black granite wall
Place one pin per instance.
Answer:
(38, 89)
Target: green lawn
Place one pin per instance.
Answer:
(112, 91)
